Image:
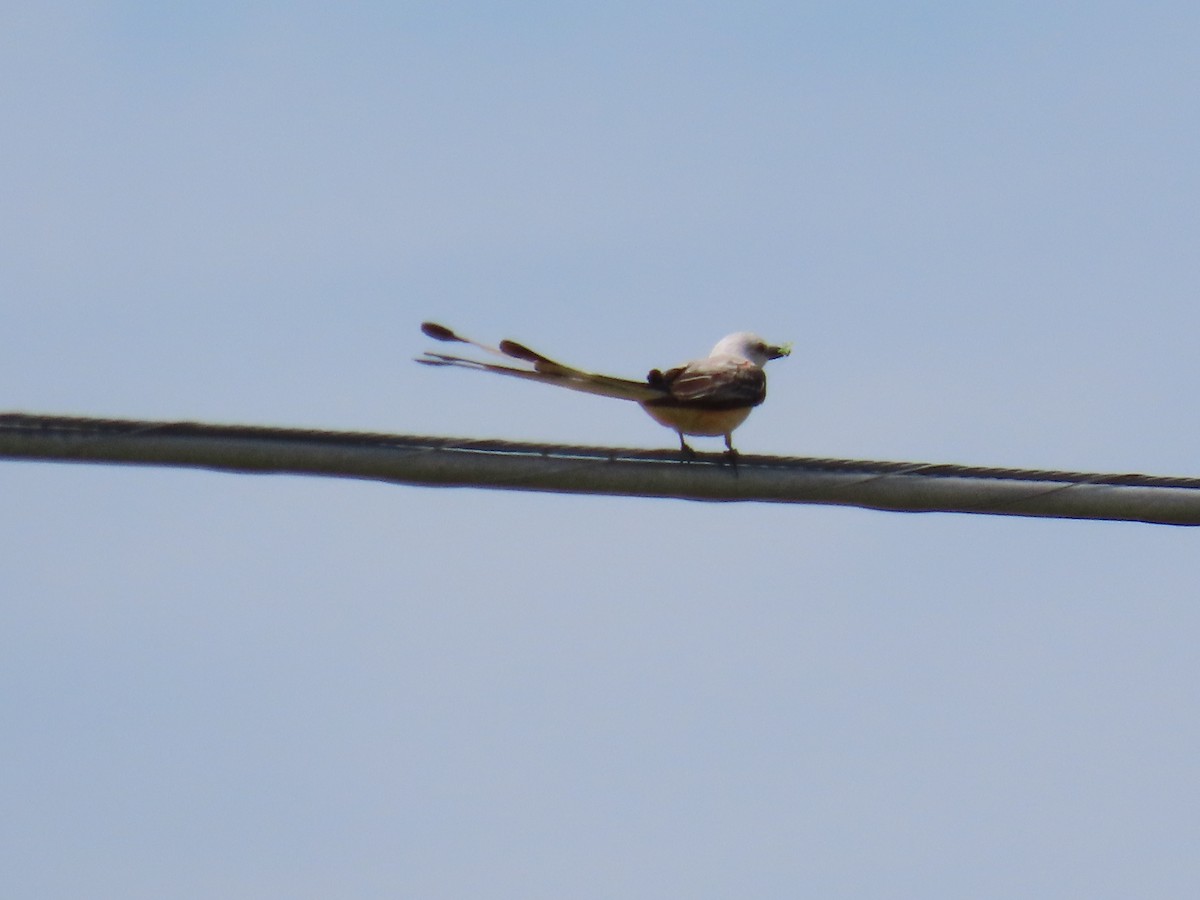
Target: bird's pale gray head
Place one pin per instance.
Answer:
(750, 347)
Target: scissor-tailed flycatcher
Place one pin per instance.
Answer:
(710, 396)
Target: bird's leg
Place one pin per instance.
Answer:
(685, 451)
(730, 453)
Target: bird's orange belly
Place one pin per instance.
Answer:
(703, 422)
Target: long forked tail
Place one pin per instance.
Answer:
(544, 369)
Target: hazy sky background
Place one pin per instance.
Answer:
(980, 227)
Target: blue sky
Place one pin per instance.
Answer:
(977, 226)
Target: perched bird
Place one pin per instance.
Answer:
(709, 397)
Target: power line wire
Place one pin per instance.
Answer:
(454, 462)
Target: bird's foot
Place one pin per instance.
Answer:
(731, 454)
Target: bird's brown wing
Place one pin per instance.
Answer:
(715, 384)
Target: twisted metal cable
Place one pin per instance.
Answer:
(462, 462)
